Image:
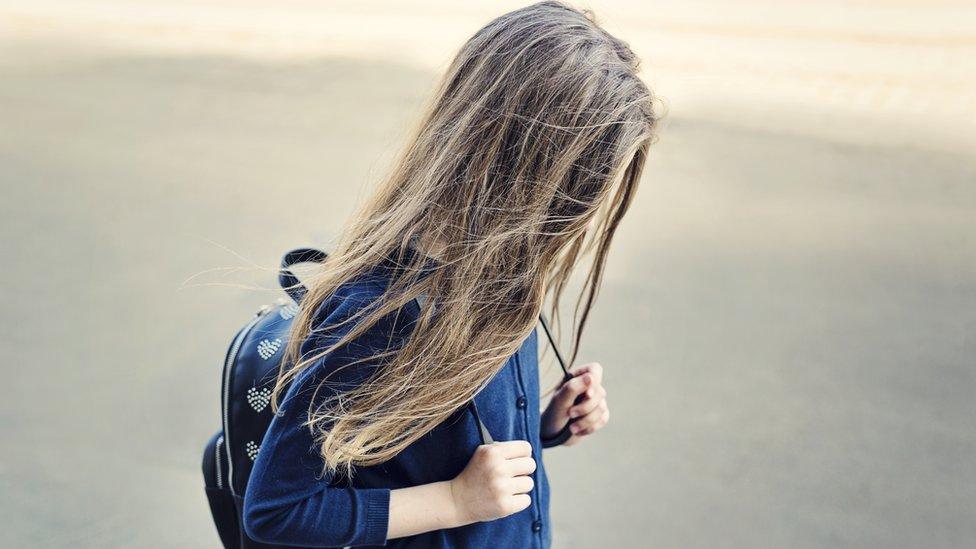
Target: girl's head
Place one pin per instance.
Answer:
(527, 158)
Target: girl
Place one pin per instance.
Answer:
(527, 158)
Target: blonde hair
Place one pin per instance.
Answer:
(535, 138)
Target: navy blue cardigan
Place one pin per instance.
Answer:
(290, 501)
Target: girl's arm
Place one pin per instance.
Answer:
(288, 503)
(290, 498)
(494, 484)
(423, 508)
(291, 501)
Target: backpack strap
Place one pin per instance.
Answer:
(563, 435)
(288, 281)
(483, 431)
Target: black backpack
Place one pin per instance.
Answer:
(249, 372)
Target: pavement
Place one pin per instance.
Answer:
(787, 322)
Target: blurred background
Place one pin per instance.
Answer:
(787, 323)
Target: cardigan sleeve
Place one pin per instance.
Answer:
(290, 500)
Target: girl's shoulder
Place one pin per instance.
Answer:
(352, 362)
(340, 313)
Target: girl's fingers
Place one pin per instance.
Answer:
(593, 368)
(599, 425)
(522, 484)
(520, 502)
(592, 421)
(510, 449)
(594, 396)
(566, 395)
(521, 466)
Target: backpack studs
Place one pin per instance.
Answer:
(288, 312)
(258, 399)
(268, 347)
(252, 449)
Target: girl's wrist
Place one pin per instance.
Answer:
(458, 515)
(424, 508)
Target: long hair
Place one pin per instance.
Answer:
(526, 159)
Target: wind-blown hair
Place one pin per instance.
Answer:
(526, 159)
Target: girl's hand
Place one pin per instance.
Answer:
(495, 483)
(591, 413)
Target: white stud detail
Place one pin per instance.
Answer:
(258, 399)
(268, 347)
(252, 449)
(288, 311)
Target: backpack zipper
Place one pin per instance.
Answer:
(220, 475)
(235, 348)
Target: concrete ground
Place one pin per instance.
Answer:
(789, 314)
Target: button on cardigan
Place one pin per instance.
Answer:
(290, 500)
